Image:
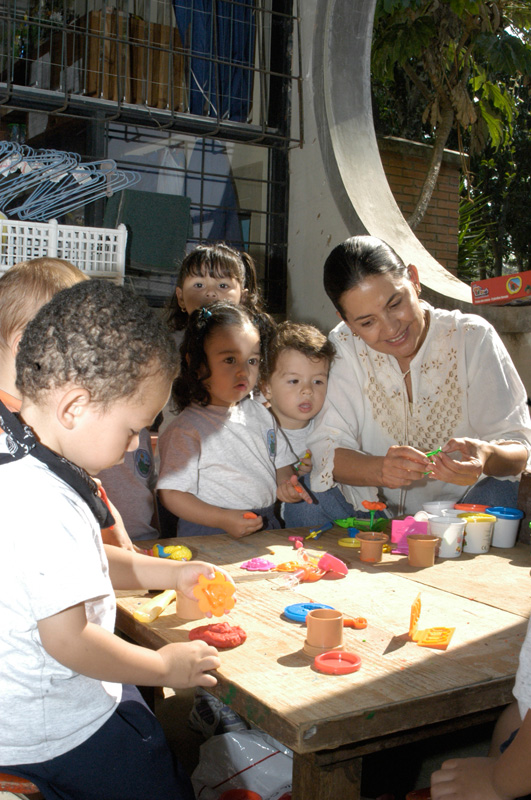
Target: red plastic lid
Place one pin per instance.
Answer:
(239, 794)
(337, 662)
(471, 507)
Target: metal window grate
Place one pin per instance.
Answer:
(205, 67)
(232, 189)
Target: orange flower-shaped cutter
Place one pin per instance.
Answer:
(215, 595)
(373, 506)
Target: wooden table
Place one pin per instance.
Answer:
(402, 692)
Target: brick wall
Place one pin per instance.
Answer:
(405, 164)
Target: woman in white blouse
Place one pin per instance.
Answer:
(409, 379)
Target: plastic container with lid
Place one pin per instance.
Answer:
(506, 525)
(436, 506)
(478, 532)
(470, 508)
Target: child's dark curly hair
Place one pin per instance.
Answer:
(96, 335)
(189, 386)
(216, 261)
(305, 339)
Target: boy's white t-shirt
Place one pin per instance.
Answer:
(226, 457)
(298, 438)
(52, 559)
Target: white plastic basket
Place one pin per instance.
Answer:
(100, 252)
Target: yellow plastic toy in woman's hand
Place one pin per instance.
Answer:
(215, 595)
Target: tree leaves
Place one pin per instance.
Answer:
(457, 54)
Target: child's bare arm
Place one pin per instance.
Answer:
(503, 778)
(93, 651)
(189, 507)
(135, 571)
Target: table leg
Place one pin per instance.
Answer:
(312, 781)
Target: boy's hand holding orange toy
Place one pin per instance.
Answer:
(291, 491)
(304, 465)
(215, 593)
(238, 523)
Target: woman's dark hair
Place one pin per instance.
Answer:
(189, 386)
(216, 261)
(354, 260)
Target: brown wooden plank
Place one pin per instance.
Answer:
(312, 780)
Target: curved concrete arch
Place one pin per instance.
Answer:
(342, 102)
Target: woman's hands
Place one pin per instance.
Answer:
(497, 459)
(468, 469)
(401, 466)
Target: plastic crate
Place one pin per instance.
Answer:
(99, 252)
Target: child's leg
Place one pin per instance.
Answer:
(326, 507)
(128, 758)
(187, 528)
(494, 492)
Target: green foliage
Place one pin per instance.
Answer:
(432, 58)
(474, 259)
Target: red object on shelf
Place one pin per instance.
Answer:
(503, 289)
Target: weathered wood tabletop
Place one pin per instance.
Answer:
(330, 722)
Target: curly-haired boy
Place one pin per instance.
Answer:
(93, 367)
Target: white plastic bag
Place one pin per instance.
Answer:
(243, 760)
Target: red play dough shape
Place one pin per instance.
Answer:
(219, 634)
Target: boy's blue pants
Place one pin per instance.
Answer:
(128, 758)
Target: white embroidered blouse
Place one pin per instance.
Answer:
(463, 384)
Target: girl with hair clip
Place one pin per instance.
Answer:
(210, 273)
(223, 463)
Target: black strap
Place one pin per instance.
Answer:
(21, 441)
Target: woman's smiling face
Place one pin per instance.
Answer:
(384, 310)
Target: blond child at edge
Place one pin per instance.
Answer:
(94, 367)
(506, 773)
(294, 381)
(24, 289)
